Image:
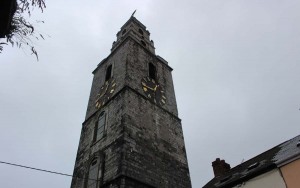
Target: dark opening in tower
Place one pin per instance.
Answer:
(108, 72)
(152, 71)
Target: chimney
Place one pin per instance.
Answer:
(220, 167)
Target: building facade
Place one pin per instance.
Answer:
(278, 167)
(132, 136)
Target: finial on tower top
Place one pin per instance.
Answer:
(133, 13)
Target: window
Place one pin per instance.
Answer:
(93, 174)
(141, 31)
(108, 72)
(143, 43)
(152, 71)
(100, 126)
(124, 31)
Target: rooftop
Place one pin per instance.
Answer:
(268, 160)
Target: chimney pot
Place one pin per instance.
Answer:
(220, 167)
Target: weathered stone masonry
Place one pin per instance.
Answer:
(143, 144)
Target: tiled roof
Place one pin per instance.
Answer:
(258, 165)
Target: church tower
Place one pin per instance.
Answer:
(132, 136)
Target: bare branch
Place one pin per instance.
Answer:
(21, 30)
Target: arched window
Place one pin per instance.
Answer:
(92, 180)
(152, 71)
(100, 127)
(108, 72)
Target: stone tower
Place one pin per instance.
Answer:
(132, 136)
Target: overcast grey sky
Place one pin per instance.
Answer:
(236, 75)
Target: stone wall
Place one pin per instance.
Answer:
(154, 149)
(143, 145)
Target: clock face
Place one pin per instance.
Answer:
(105, 93)
(153, 91)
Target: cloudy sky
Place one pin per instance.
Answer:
(236, 75)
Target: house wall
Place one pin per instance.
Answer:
(291, 174)
(271, 179)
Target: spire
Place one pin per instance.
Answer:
(134, 29)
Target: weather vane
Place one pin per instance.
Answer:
(133, 13)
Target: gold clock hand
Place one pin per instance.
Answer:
(147, 86)
(104, 91)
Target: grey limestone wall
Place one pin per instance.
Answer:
(155, 151)
(143, 144)
(137, 68)
(130, 65)
(118, 61)
(110, 146)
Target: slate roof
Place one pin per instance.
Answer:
(258, 165)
